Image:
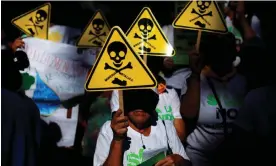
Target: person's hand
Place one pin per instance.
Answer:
(119, 125)
(195, 61)
(171, 160)
(17, 43)
(168, 63)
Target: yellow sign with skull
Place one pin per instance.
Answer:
(95, 33)
(146, 36)
(201, 15)
(35, 22)
(119, 67)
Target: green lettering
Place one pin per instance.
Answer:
(168, 108)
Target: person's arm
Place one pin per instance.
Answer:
(109, 150)
(178, 121)
(190, 101)
(115, 156)
(247, 29)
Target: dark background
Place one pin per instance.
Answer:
(121, 13)
(73, 14)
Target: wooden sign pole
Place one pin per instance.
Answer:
(121, 96)
(198, 40)
(145, 58)
(121, 101)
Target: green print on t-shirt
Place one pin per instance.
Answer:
(134, 159)
(228, 102)
(165, 116)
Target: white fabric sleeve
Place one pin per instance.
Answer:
(175, 104)
(245, 118)
(114, 101)
(184, 87)
(169, 33)
(103, 145)
(174, 141)
(255, 24)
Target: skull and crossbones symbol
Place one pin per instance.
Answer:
(145, 26)
(201, 13)
(97, 25)
(37, 21)
(117, 53)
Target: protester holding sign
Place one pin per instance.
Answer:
(138, 136)
(214, 94)
(168, 107)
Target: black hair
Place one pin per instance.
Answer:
(145, 99)
(11, 77)
(22, 61)
(219, 52)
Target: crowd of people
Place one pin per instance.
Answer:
(219, 111)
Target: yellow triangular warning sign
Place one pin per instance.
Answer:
(96, 32)
(35, 22)
(119, 67)
(146, 36)
(201, 15)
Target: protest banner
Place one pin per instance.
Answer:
(56, 73)
(63, 34)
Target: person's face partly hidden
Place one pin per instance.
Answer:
(222, 69)
(139, 117)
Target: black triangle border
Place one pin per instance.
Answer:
(117, 28)
(159, 28)
(48, 24)
(207, 30)
(87, 26)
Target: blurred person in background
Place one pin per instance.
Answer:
(20, 120)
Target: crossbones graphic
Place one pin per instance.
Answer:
(34, 25)
(145, 39)
(96, 36)
(108, 67)
(201, 16)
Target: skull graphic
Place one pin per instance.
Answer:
(40, 16)
(145, 26)
(98, 25)
(203, 5)
(117, 52)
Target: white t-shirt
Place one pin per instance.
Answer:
(135, 154)
(255, 24)
(168, 107)
(209, 131)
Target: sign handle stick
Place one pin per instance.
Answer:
(69, 113)
(121, 101)
(198, 40)
(145, 58)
